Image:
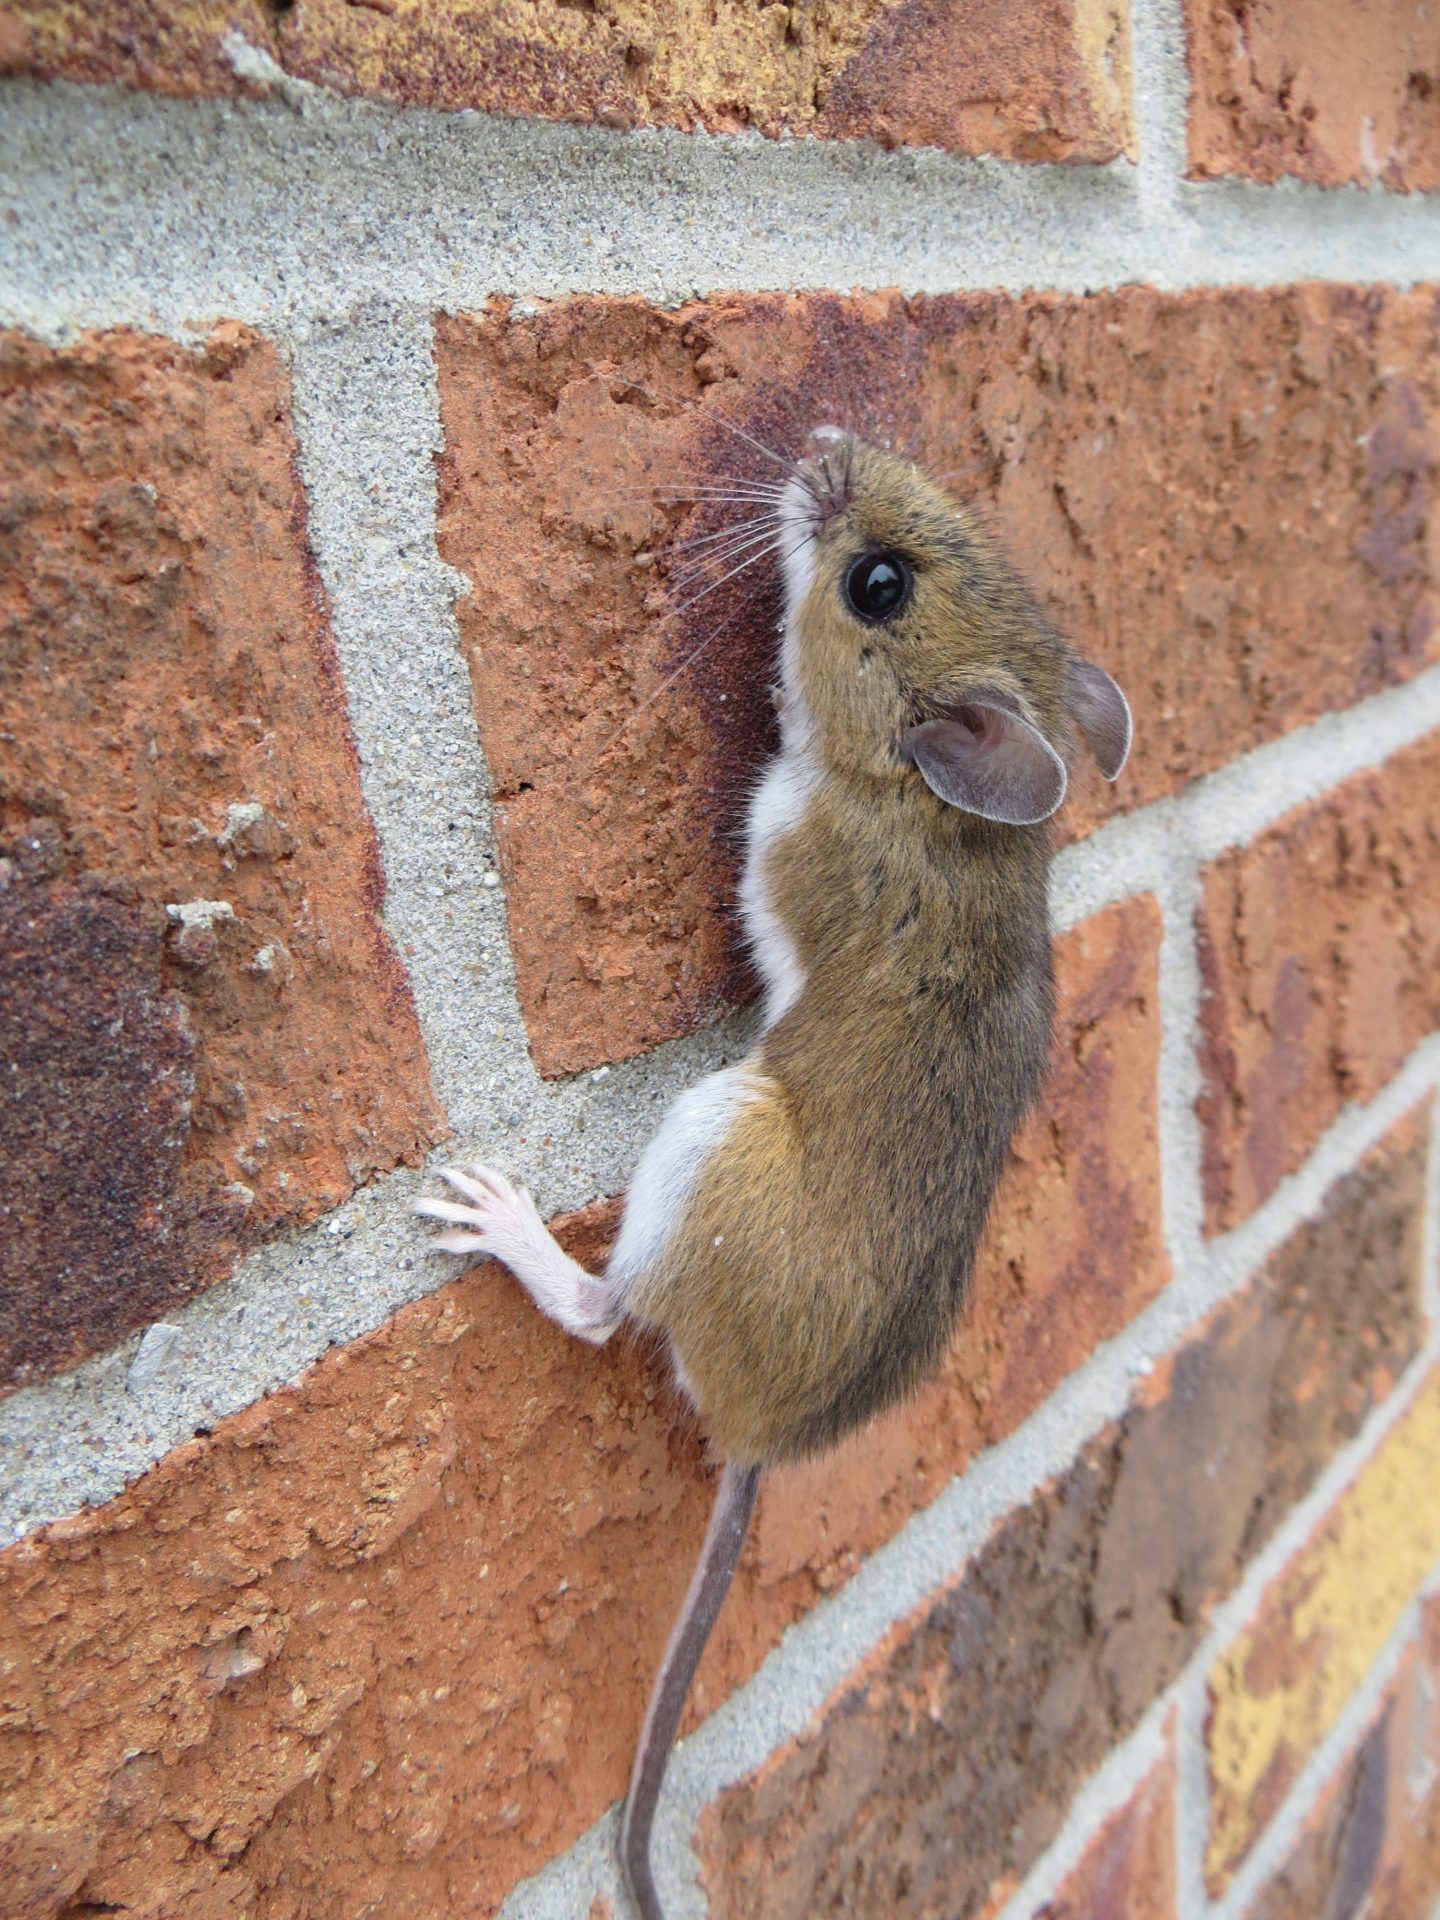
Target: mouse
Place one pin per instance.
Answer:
(802, 1229)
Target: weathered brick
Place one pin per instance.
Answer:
(1128, 1870)
(1075, 1249)
(1320, 950)
(1371, 1843)
(1233, 597)
(1279, 1687)
(206, 1031)
(1329, 94)
(940, 1770)
(1031, 79)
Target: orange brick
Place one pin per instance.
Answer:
(941, 1769)
(1233, 597)
(1128, 1870)
(1032, 79)
(176, 744)
(1320, 949)
(1329, 94)
(1277, 1690)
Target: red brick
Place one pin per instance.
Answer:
(1320, 950)
(1234, 597)
(1031, 79)
(940, 1770)
(1303, 87)
(1128, 1870)
(179, 1091)
(1074, 1251)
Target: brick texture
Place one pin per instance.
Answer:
(1235, 595)
(447, 1492)
(1320, 950)
(206, 1032)
(1030, 79)
(1277, 1690)
(1128, 1870)
(937, 1774)
(1331, 94)
(1374, 1834)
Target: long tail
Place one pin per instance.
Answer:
(709, 1584)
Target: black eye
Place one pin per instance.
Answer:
(878, 585)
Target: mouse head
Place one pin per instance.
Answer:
(913, 650)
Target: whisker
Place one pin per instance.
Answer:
(695, 652)
(703, 562)
(790, 467)
(673, 613)
(705, 491)
(722, 533)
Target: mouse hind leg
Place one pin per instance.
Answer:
(496, 1218)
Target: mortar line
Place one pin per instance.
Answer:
(547, 209)
(1431, 1242)
(1160, 95)
(1104, 1793)
(820, 1652)
(1192, 1790)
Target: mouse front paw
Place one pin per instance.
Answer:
(489, 1221)
(503, 1221)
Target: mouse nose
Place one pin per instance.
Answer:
(824, 473)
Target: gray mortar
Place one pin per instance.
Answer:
(128, 207)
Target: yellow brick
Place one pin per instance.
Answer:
(1279, 1687)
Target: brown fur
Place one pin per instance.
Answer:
(818, 1270)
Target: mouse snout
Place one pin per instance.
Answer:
(824, 474)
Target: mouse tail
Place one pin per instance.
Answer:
(709, 1584)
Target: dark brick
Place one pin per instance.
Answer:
(207, 1034)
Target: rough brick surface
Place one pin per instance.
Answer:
(508, 1448)
(1277, 1690)
(936, 1775)
(1235, 593)
(1332, 94)
(1320, 950)
(1031, 79)
(1128, 1870)
(1374, 1834)
(206, 1032)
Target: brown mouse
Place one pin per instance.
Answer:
(803, 1226)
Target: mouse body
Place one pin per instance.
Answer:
(803, 1227)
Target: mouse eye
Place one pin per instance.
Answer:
(878, 585)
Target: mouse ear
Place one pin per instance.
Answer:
(1102, 713)
(982, 755)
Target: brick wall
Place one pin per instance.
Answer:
(353, 814)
